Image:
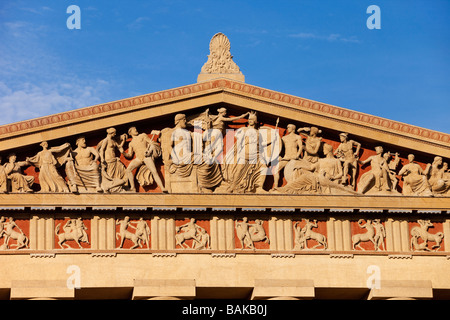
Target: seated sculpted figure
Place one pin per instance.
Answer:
(82, 168)
(19, 181)
(435, 172)
(179, 159)
(323, 177)
(415, 181)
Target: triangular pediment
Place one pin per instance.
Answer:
(241, 96)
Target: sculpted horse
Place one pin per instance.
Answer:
(307, 233)
(73, 233)
(422, 233)
(362, 237)
(189, 231)
(22, 240)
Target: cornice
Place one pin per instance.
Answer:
(387, 205)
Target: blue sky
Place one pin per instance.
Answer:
(320, 50)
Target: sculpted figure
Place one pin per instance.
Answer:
(189, 231)
(7, 230)
(377, 178)
(415, 181)
(141, 235)
(324, 176)
(293, 147)
(74, 229)
(47, 161)
(219, 120)
(203, 240)
(392, 166)
(421, 232)
(19, 181)
(249, 233)
(349, 158)
(302, 235)
(363, 237)
(435, 172)
(146, 151)
(380, 234)
(3, 179)
(244, 169)
(82, 168)
(113, 170)
(143, 232)
(312, 144)
(177, 146)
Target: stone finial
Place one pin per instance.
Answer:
(220, 62)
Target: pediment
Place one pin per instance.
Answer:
(152, 113)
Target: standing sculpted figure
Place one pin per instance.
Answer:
(47, 160)
(415, 181)
(349, 158)
(19, 181)
(377, 177)
(82, 168)
(146, 151)
(293, 147)
(112, 169)
(244, 168)
(143, 232)
(380, 234)
(3, 179)
(392, 166)
(242, 231)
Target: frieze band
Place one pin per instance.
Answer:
(202, 154)
(226, 233)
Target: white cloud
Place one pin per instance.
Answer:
(31, 101)
(35, 82)
(333, 37)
